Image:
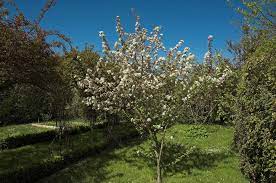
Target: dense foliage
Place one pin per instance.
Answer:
(31, 85)
(254, 106)
(74, 66)
(255, 114)
(28, 76)
(36, 83)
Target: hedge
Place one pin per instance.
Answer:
(27, 139)
(53, 163)
(255, 119)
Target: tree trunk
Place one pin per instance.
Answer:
(158, 171)
(158, 159)
(158, 148)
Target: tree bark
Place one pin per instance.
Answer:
(158, 170)
(158, 149)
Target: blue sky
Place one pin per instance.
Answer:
(190, 20)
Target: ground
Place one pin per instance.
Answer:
(195, 153)
(210, 160)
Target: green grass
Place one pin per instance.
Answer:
(19, 130)
(212, 160)
(33, 161)
(27, 129)
(31, 155)
(71, 123)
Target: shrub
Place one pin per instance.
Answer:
(255, 120)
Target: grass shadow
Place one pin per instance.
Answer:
(94, 168)
(179, 158)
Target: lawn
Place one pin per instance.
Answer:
(13, 136)
(209, 159)
(70, 123)
(205, 150)
(31, 155)
(28, 129)
(20, 130)
(31, 162)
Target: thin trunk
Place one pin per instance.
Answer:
(157, 156)
(158, 149)
(158, 170)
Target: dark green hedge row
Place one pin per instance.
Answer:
(53, 164)
(255, 119)
(27, 139)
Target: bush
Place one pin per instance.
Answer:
(255, 120)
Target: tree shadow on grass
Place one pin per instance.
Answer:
(94, 168)
(177, 158)
(180, 158)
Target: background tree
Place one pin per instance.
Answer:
(74, 65)
(29, 67)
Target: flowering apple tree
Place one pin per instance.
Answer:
(139, 77)
(143, 79)
(207, 88)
